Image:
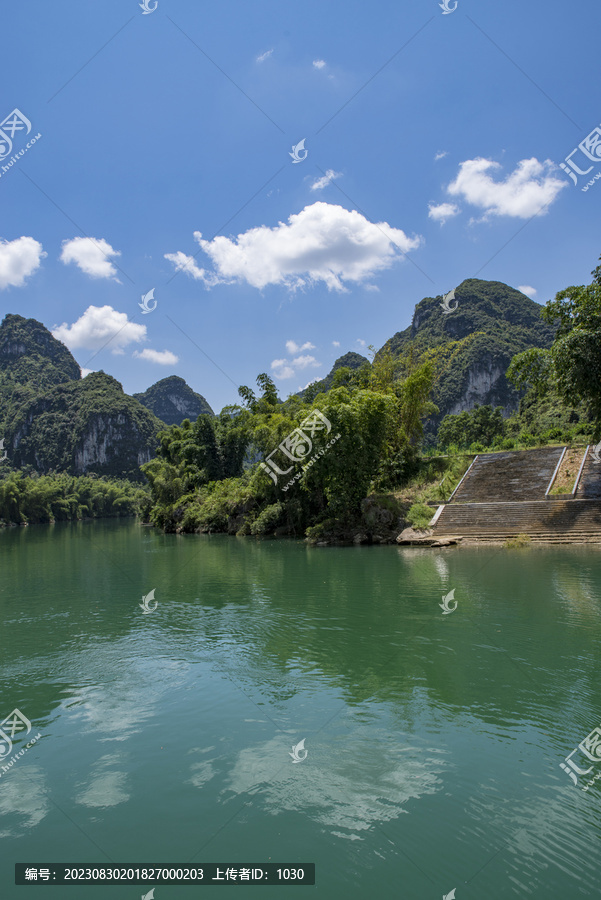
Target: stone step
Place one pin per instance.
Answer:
(513, 475)
(534, 538)
(589, 486)
(510, 518)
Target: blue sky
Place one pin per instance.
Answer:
(164, 163)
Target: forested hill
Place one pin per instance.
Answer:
(82, 426)
(53, 420)
(172, 401)
(30, 354)
(509, 322)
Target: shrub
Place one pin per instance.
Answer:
(527, 439)
(322, 530)
(419, 515)
(520, 540)
(553, 434)
(268, 520)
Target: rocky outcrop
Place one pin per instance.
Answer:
(103, 444)
(424, 537)
(29, 351)
(485, 384)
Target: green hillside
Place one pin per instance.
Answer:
(53, 420)
(84, 426)
(30, 359)
(508, 321)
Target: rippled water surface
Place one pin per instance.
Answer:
(434, 741)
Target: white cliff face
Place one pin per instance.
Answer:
(182, 406)
(482, 387)
(14, 349)
(106, 438)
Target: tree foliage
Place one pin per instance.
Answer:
(209, 475)
(482, 424)
(35, 499)
(573, 363)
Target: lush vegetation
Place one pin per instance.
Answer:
(538, 422)
(33, 499)
(502, 320)
(207, 476)
(348, 361)
(53, 420)
(385, 447)
(562, 384)
(572, 366)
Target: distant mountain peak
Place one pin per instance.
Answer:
(350, 360)
(172, 400)
(28, 351)
(508, 321)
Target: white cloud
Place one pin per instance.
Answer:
(91, 255)
(18, 260)
(162, 357)
(323, 242)
(325, 180)
(85, 372)
(280, 368)
(440, 212)
(361, 342)
(264, 56)
(187, 264)
(293, 347)
(522, 194)
(336, 343)
(527, 289)
(440, 155)
(319, 63)
(303, 362)
(285, 368)
(100, 325)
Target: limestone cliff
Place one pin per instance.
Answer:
(507, 321)
(53, 420)
(84, 426)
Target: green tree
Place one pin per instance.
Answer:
(61, 497)
(482, 424)
(268, 399)
(573, 363)
(341, 476)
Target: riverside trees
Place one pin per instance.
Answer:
(573, 363)
(208, 476)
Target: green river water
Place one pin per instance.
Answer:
(432, 742)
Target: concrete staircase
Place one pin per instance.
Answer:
(589, 486)
(551, 521)
(521, 475)
(504, 494)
